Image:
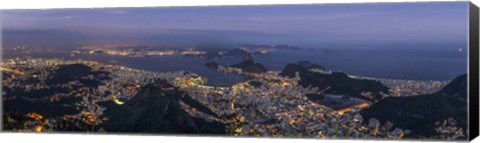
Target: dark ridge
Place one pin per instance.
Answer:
(72, 72)
(419, 113)
(250, 66)
(248, 57)
(337, 83)
(457, 87)
(197, 105)
(291, 69)
(44, 107)
(67, 73)
(315, 66)
(156, 109)
(309, 65)
(38, 93)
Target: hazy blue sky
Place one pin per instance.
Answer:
(398, 22)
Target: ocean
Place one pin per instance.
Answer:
(407, 63)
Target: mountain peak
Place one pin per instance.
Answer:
(457, 87)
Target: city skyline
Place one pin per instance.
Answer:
(356, 71)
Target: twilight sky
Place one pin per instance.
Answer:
(387, 22)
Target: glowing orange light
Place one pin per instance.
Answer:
(35, 116)
(38, 129)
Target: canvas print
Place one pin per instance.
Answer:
(327, 71)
